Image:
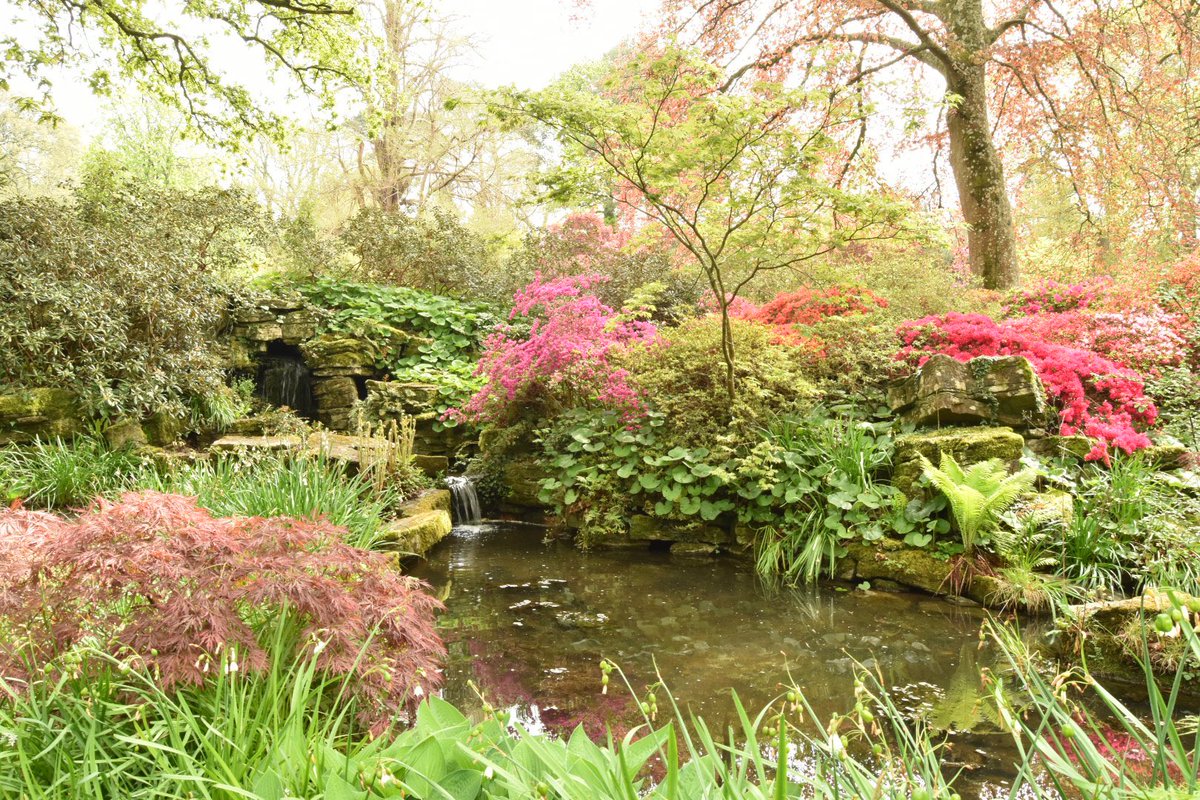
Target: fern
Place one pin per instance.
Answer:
(979, 494)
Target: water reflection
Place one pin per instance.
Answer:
(528, 622)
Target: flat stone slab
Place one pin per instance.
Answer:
(967, 446)
(267, 443)
(430, 500)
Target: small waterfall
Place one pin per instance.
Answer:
(284, 380)
(464, 500)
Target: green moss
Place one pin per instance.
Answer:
(328, 351)
(432, 500)
(38, 413)
(968, 445)
(415, 535)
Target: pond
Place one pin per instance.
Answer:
(528, 621)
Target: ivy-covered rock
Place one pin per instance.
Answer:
(522, 476)
(967, 446)
(1002, 390)
(38, 413)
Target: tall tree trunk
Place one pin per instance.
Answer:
(979, 176)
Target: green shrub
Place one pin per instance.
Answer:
(115, 293)
(683, 380)
(433, 252)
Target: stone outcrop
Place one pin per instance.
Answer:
(966, 445)
(425, 521)
(388, 400)
(992, 391)
(38, 414)
(1111, 636)
(889, 560)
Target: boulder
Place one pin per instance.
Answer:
(329, 355)
(415, 535)
(335, 399)
(431, 465)
(1001, 390)
(966, 445)
(345, 448)
(892, 560)
(430, 500)
(1056, 446)
(521, 475)
(125, 432)
(38, 414)
(1112, 636)
(162, 429)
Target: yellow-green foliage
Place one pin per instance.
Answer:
(683, 378)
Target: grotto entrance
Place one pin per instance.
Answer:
(283, 379)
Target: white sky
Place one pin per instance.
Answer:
(522, 42)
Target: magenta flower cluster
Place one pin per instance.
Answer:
(1095, 396)
(557, 349)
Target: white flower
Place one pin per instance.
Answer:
(419, 692)
(319, 646)
(231, 666)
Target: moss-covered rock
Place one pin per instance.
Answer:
(521, 475)
(968, 445)
(162, 429)
(1002, 390)
(1058, 446)
(431, 500)
(124, 433)
(1110, 635)
(892, 560)
(38, 413)
(329, 355)
(261, 443)
(415, 535)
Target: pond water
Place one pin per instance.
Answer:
(529, 620)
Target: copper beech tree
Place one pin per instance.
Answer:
(1082, 84)
(741, 181)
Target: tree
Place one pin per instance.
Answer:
(33, 155)
(739, 180)
(1008, 66)
(413, 141)
(176, 56)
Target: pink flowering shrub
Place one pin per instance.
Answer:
(556, 351)
(1094, 395)
(1053, 297)
(1147, 341)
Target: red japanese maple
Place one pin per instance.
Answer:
(155, 579)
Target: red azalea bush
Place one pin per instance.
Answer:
(1094, 395)
(158, 580)
(809, 306)
(565, 358)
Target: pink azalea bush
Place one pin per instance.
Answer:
(557, 351)
(1147, 341)
(1053, 297)
(1095, 396)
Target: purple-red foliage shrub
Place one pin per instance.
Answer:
(156, 579)
(1094, 395)
(557, 352)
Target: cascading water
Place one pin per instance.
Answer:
(284, 380)
(464, 500)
